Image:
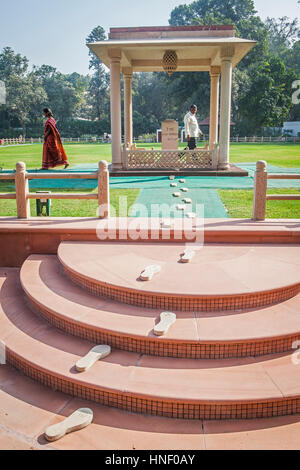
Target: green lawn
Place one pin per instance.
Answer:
(239, 204)
(68, 208)
(279, 154)
(32, 154)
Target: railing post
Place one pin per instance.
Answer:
(260, 191)
(103, 190)
(22, 191)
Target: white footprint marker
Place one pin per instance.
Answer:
(187, 256)
(184, 190)
(173, 185)
(171, 177)
(176, 194)
(180, 207)
(181, 181)
(149, 272)
(191, 215)
(187, 200)
(76, 421)
(167, 223)
(166, 320)
(94, 355)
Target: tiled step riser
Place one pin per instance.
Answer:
(148, 405)
(165, 348)
(185, 303)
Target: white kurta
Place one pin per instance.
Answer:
(191, 125)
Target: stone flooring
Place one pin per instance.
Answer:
(28, 408)
(225, 376)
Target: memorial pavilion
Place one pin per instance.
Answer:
(213, 49)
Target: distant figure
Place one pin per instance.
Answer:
(192, 129)
(53, 151)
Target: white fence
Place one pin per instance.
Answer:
(100, 140)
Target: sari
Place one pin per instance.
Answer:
(53, 152)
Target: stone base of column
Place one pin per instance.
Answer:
(116, 166)
(223, 166)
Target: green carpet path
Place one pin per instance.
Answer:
(162, 203)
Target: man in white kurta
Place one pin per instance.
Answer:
(192, 129)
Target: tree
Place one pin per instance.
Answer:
(25, 99)
(240, 13)
(208, 12)
(12, 64)
(292, 57)
(283, 34)
(268, 100)
(25, 95)
(98, 88)
(64, 92)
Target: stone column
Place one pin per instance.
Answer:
(214, 106)
(127, 74)
(115, 108)
(225, 114)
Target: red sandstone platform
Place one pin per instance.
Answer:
(28, 408)
(194, 335)
(178, 388)
(211, 366)
(220, 277)
(43, 235)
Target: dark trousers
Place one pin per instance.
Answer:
(192, 143)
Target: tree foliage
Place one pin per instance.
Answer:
(262, 82)
(261, 90)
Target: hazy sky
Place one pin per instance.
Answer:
(54, 32)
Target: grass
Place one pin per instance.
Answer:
(32, 154)
(239, 204)
(286, 155)
(278, 154)
(68, 208)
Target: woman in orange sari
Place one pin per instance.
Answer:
(53, 151)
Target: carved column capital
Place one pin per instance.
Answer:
(127, 73)
(114, 55)
(215, 71)
(227, 52)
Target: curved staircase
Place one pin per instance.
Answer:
(228, 356)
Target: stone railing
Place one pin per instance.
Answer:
(23, 195)
(260, 189)
(144, 159)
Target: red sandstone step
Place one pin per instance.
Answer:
(220, 277)
(194, 335)
(178, 388)
(28, 408)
